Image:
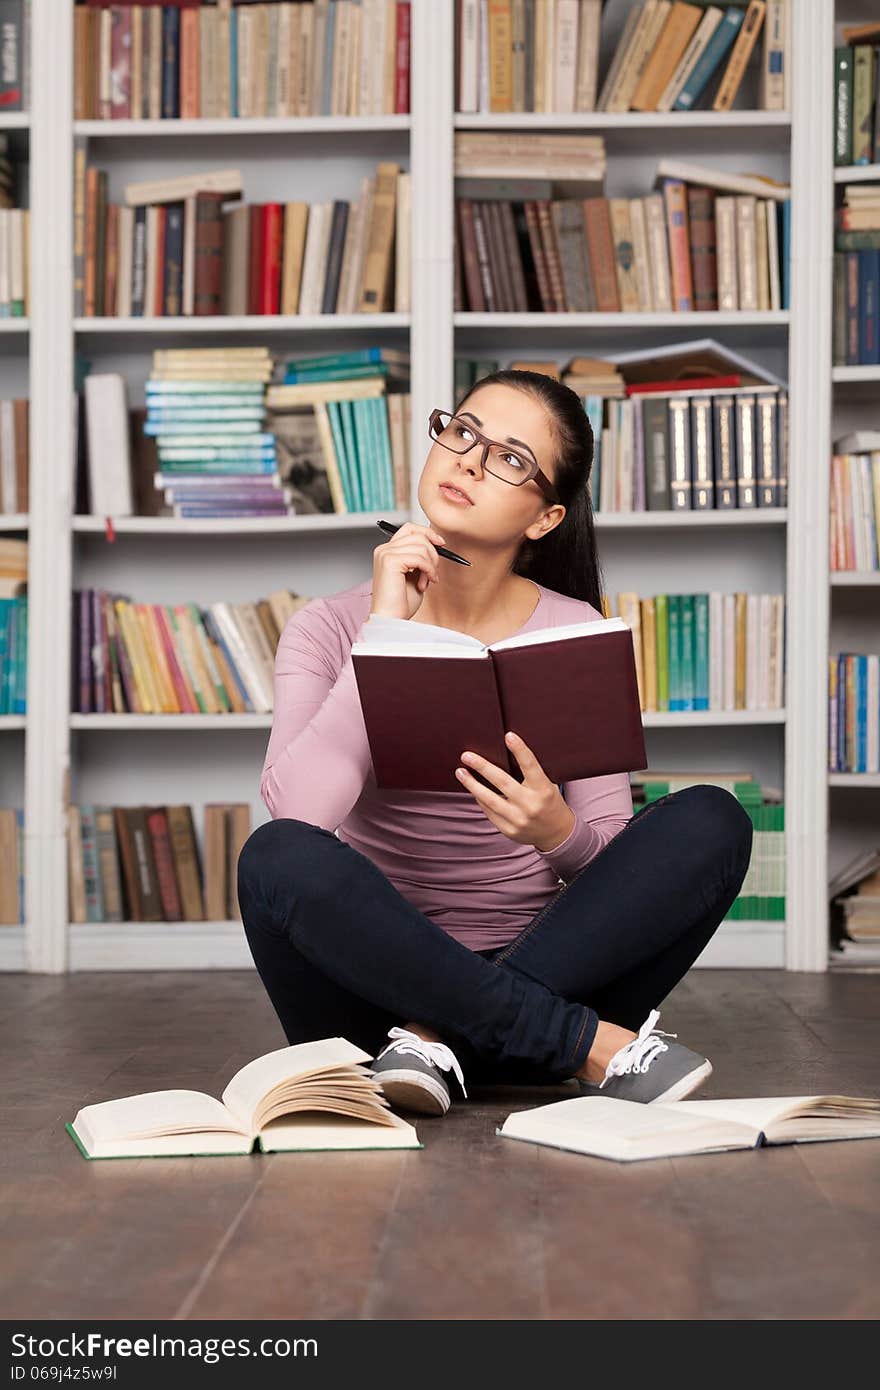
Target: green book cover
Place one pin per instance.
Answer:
(334, 416)
(686, 668)
(843, 100)
(674, 646)
(383, 448)
(701, 651)
(360, 428)
(355, 465)
(661, 640)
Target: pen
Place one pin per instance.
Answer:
(441, 549)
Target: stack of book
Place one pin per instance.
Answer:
(707, 651)
(854, 893)
(153, 658)
(189, 59)
(856, 123)
(13, 626)
(705, 240)
(761, 897)
(142, 863)
(854, 712)
(544, 55)
(343, 443)
(174, 247)
(11, 866)
(857, 276)
(206, 409)
(855, 501)
(14, 456)
(14, 225)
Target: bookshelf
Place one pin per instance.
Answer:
(144, 758)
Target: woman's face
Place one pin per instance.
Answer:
(500, 513)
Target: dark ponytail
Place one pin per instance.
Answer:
(566, 559)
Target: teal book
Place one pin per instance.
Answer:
(349, 434)
(342, 373)
(360, 414)
(5, 609)
(686, 667)
(19, 683)
(674, 608)
(335, 418)
(379, 406)
(701, 651)
(155, 386)
(358, 357)
(709, 62)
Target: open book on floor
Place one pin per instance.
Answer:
(314, 1095)
(626, 1130)
(428, 693)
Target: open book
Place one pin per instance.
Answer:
(429, 692)
(314, 1095)
(626, 1130)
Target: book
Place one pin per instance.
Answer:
(420, 715)
(313, 1095)
(627, 1131)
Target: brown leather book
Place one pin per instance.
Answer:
(551, 255)
(255, 257)
(215, 862)
(209, 253)
(138, 866)
(186, 862)
(22, 453)
(157, 826)
(484, 260)
(541, 271)
(421, 711)
(600, 244)
(514, 259)
(238, 828)
(701, 224)
(498, 254)
(470, 262)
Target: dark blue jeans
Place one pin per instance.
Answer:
(343, 954)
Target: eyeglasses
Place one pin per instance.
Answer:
(501, 460)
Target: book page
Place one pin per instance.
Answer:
(153, 1113)
(624, 1129)
(784, 1118)
(555, 634)
(254, 1082)
(758, 1111)
(336, 1132)
(381, 631)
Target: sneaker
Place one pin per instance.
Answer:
(650, 1070)
(410, 1072)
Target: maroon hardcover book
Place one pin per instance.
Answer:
(574, 700)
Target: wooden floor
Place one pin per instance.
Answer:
(472, 1226)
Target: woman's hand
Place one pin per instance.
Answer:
(402, 570)
(533, 811)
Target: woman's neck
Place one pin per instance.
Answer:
(500, 614)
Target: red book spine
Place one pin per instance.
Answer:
(695, 383)
(187, 704)
(401, 73)
(270, 258)
(255, 269)
(157, 825)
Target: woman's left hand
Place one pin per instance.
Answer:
(533, 811)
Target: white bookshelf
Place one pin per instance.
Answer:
(110, 759)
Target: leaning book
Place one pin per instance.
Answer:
(313, 1095)
(626, 1130)
(428, 693)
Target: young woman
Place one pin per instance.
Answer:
(524, 933)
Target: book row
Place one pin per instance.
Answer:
(14, 455)
(13, 653)
(682, 249)
(143, 863)
(854, 712)
(548, 55)
(855, 511)
(177, 247)
(219, 60)
(153, 658)
(690, 451)
(856, 124)
(11, 866)
(706, 651)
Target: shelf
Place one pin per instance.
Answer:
(15, 120)
(14, 521)
(652, 521)
(764, 318)
(710, 718)
(854, 579)
(856, 173)
(12, 948)
(243, 323)
(236, 526)
(162, 723)
(13, 721)
(13, 325)
(240, 125)
(223, 946)
(854, 779)
(624, 120)
(870, 372)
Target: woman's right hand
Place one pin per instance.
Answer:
(402, 570)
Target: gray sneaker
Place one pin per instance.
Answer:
(650, 1070)
(410, 1070)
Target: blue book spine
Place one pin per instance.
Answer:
(359, 357)
(713, 54)
(386, 461)
(333, 415)
(5, 606)
(381, 463)
(687, 651)
(170, 62)
(869, 284)
(233, 60)
(862, 711)
(362, 433)
(327, 83)
(355, 463)
(173, 278)
(701, 651)
(841, 713)
(786, 254)
(9, 675)
(19, 688)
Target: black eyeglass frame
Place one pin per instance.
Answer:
(537, 473)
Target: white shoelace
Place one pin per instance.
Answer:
(436, 1052)
(639, 1054)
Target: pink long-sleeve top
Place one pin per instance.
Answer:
(439, 849)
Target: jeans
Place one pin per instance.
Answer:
(342, 953)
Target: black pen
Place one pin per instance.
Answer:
(440, 549)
